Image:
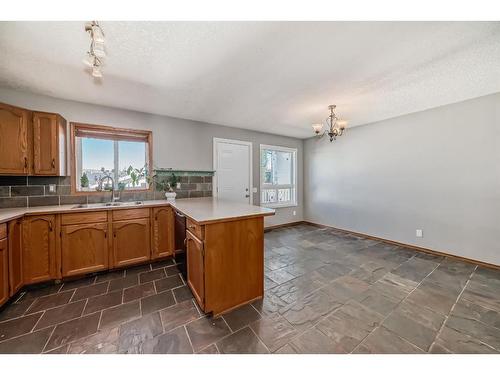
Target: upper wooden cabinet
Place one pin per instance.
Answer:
(131, 242)
(39, 249)
(32, 143)
(49, 144)
(14, 140)
(15, 256)
(162, 233)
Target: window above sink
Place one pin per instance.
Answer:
(99, 152)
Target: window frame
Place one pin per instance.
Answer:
(293, 185)
(74, 126)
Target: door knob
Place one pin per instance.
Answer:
(247, 196)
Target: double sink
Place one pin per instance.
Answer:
(108, 204)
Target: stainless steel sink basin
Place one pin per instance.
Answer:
(108, 204)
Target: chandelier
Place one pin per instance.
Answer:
(336, 126)
(96, 53)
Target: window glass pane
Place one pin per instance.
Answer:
(132, 154)
(94, 160)
(284, 195)
(268, 196)
(283, 168)
(277, 167)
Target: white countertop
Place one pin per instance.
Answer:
(201, 210)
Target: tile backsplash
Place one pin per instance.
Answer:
(30, 191)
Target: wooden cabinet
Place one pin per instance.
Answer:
(39, 249)
(162, 232)
(196, 267)
(31, 143)
(49, 144)
(4, 265)
(14, 140)
(84, 248)
(131, 242)
(15, 256)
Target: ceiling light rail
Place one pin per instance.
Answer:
(96, 53)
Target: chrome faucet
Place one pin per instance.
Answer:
(108, 177)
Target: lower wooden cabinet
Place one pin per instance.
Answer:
(39, 249)
(131, 242)
(196, 268)
(16, 280)
(162, 232)
(4, 271)
(84, 248)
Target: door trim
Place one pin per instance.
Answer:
(216, 141)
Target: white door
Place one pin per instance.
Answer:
(233, 170)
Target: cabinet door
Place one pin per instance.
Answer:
(4, 272)
(84, 248)
(14, 140)
(15, 256)
(45, 144)
(162, 232)
(196, 268)
(39, 249)
(131, 242)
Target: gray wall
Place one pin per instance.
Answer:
(177, 143)
(436, 170)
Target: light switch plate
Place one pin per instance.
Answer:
(419, 233)
(52, 188)
(254, 190)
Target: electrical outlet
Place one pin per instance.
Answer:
(294, 213)
(419, 233)
(178, 185)
(52, 188)
(254, 190)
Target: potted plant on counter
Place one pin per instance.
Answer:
(167, 186)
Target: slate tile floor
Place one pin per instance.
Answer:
(325, 292)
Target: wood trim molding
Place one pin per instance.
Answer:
(285, 225)
(413, 247)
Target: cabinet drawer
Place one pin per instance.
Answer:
(3, 230)
(84, 217)
(133, 213)
(195, 228)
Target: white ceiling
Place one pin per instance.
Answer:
(277, 77)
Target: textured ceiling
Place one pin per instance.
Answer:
(277, 77)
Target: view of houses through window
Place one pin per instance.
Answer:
(101, 156)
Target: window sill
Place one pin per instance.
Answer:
(278, 205)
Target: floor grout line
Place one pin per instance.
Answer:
(451, 311)
(400, 302)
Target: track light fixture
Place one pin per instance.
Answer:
(96, 53)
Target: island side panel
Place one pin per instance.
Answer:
(234, 263)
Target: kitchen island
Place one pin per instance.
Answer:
(224, 241)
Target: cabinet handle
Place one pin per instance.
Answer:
(50, 226)
(53, 163)
(25, 162)
(191, 226)
(156, 217)
(105, 234)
